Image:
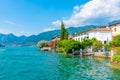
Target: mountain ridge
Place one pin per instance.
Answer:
(13, 40)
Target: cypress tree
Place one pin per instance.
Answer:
(66, 34)
(62, 31)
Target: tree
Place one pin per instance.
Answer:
(67, 45)
(116, 57)
(97, 45)
(62, 31)
(116, 41)
(93, 40)
(66, 35)
(42, 44)
(88, 42)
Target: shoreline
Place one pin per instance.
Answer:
(94, 55)
(115, 64)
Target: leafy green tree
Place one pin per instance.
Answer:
(116, 41)
(62, 31)
(116, 57)
(42, 44)
(97, 45)
(93, 40)
(76, 45)
(68, 45)
(116, 44)
(88, 42)
(93, 43)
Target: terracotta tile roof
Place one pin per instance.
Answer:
(56, 39)
(102, 29)
(114, 24)
(96, 29)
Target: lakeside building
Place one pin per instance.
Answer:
(53, 43)
(115, 28)
(103, 34)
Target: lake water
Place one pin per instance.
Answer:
(27, 63)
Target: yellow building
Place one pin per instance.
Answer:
(115, 28)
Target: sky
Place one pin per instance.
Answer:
(28, 17)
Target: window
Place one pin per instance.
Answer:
(81, 39)
(76, 39)
(115, 29)
(105, 42)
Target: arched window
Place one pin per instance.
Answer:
(105, 42)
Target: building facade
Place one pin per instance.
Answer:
(102, 34)
(115, 28)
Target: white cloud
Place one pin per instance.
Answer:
(48, 29)
(77, 9)
(10, 22)
(56, 23)
(97, 12)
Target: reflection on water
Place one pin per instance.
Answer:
(84, 68)
(26, 63)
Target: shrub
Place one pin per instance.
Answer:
(97, 45)
(68, 45)
(116, 41)
(88, 42)
(116, 57)
(42, 44)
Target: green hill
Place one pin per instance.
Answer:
(50, 34)
(12, 40)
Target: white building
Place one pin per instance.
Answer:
(103, 34)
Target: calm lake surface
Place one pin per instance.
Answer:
(27, 63)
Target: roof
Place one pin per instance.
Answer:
(114, 24)
(102, 29)
(96, 29)
(56, 36)
(85, 31)
(56, 39)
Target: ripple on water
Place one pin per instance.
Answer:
(27, 63)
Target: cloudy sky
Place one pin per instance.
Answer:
(26, 17)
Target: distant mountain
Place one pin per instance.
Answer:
(1, 45)
(73, 30)
(42, 36)
(12, 40)
(114, 22)
(50, 34)
(22, 38)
